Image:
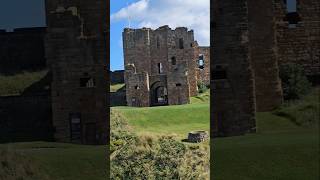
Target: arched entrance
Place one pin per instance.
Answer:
(158, 94)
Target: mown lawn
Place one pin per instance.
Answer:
(57, 160)
(177, 120)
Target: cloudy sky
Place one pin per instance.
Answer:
(194, 14)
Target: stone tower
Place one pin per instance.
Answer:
(232, 80)
(76, 54)
(161, 66)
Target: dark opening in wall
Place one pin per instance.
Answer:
(173, 60)
(178, 84)
(75, 127)
(87, 82)
(158, 42)
(219, 73)
(292, 15)
(160, 68)
(136, 87)
(201, 61)
(181, 43)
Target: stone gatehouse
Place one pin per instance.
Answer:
(163, 66)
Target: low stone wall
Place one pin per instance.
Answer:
(118, 98)
(25, 118)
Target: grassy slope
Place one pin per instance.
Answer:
(116, 87)
(170, 119)
(281, 149)
(16, 84)
(63, 161)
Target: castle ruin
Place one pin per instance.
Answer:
(251, 39)
(76, 54)
(163, 66)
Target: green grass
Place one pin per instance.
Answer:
(16, 84)
(168, 119)
(116, 87)
(62, 161)
(203, 98)
(286, 146)
(281, 149)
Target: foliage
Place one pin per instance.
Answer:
(14, 166)
(294, 81)
(150, 157)
(202, 88)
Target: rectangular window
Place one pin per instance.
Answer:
(75, 127)
(87, 82)
(201, 61)
(291, 5)
(181, 43)
(160, 68)
(219, 73)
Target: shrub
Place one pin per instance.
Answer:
(149, 157)
(202, 88)
(294, 81)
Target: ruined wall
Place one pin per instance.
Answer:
(172, 51)
(76, 54)
(300, 41)
(203, 75)
(32, 123)
(22, 50)
(232, 85)
(263, 51)
(117, 77)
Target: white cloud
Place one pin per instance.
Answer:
(194, 14)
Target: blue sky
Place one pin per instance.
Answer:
(193, 14)
(153, 14)
(116, 52)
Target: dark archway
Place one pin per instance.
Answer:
(158, 94)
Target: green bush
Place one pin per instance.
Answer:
(202, 88)
(148, 157)
(294, 81)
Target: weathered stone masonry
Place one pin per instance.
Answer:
(76, 54)
(251, 38)
(163, 66)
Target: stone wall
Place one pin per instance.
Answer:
(25, 118)
(263, 51)
(76, 54)
(169, 58)
(117, 77)
(203, 75)
(232, 80)
(22, 50)
(299, 42)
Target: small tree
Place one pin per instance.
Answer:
(294, 81)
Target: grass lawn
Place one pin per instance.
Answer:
(59, 160)
(16, 84)
(286, 146)
(116, 87)
(177, 120)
